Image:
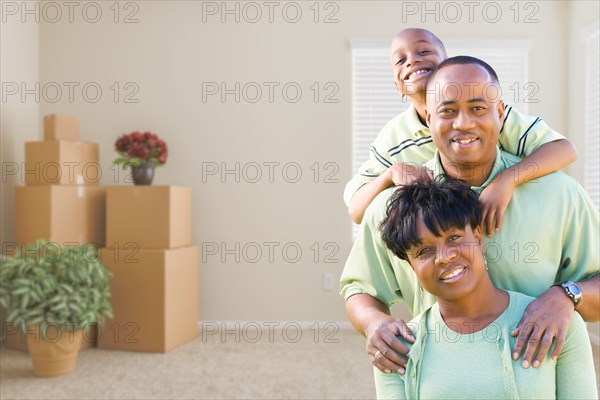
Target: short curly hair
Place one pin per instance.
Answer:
(462, 60)
(444, 203)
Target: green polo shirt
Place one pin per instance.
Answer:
(405, 139)
(550, 234)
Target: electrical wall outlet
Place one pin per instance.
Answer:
(328, 281)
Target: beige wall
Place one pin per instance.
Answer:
(170, 52)
(20, 122)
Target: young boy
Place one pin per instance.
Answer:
(405, 142)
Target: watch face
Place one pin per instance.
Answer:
(574, 289)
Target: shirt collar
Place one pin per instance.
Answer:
(435, 165)
(413, 123)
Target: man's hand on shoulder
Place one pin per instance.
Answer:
(545, 319)
(385, 351)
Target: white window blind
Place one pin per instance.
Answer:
(592, 118)
(375, 99)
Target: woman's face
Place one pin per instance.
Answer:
(449, 266)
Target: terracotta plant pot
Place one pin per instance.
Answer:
(56, 354)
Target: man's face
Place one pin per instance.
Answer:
(414, 53)
(464, 114)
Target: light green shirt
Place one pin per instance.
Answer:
(444, 364)
(405, 139)
(550, 234)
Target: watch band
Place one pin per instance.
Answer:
(572, 290)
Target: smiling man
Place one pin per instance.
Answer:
(465, 111)
(548, 248)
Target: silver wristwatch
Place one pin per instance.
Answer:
(572, 290)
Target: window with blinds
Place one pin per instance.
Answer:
(592, 118)
(375, 99)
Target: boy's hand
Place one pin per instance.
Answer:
(494, 199)
(406, 173)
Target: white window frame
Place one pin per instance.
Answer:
(592, 114)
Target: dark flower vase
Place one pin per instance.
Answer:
(142, 175)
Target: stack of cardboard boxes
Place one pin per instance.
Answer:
(154, 287)
(148, 240)
(61, 200)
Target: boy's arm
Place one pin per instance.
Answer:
(547, 158)
(397, 174)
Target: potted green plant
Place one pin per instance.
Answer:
(54, 293)
(142, 152)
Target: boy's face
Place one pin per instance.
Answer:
(449, 266)
(414, 53)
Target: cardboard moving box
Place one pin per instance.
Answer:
(60, 213)
(61, 127)
(154, 299)
(61, 162)
(148, 217)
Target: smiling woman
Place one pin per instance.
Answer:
(434, 225)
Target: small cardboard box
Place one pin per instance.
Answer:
(61, 127)
(154, 299)
(60, 213)
(148, 217)
(61, 162)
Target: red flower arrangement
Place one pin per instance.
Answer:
(139, 148)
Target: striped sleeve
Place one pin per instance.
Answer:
(522, 134)
(379, 160)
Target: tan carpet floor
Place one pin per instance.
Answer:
(209, 368)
